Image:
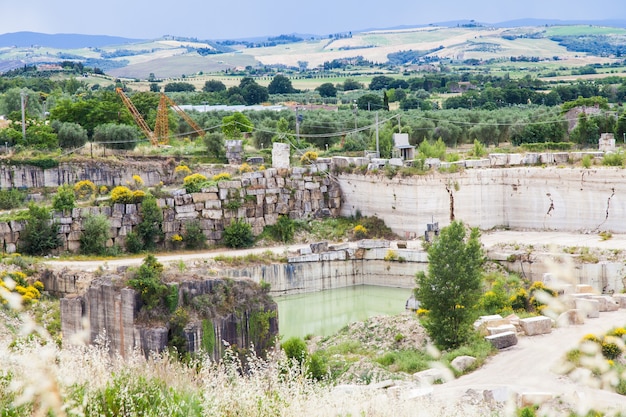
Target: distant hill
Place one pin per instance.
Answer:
(616, 23)
(61, 40)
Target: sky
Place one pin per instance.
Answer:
(229, 19)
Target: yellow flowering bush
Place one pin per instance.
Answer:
(84, 189)
(309, 157)
(222, 176)
(421, 312)
(193, 183)
(138, 181)
(28, 292)
(122, 195)
(262, 168)
(138, 195)
(182, 171)
(104, 190)
(360, 232)
(177, 238)
(245, 167)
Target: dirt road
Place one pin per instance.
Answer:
(533, 364)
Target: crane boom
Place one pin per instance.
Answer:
(137, 116)
(184, 115)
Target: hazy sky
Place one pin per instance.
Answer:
(211, 19)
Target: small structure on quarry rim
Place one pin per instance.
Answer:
(402, 148)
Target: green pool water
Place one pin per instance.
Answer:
(325, 312)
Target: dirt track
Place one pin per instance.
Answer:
(532, 366)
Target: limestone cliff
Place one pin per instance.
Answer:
(215, 310)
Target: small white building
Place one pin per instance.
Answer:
(401, 147)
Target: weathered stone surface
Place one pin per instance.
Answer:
(319, 247)
(536, 325)
(503, 328)
(529, 399)
(428, 376)
(371, 244)
(620, 299)
(584, 289)
(605, 303)
(571, 317)
(502, 340)
(314, 257)
(461, 363)
(591, 308)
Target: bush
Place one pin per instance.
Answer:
(64, 198)
(222, 176)
(193, 236)
(85, 189)
(71, 135)
(12, 198)
(133, 243)
(309, 157)
(193, 183)
(95, 235)
(147, 282)
(586, 161)
(613, 159)
(122, 195)
(295, 349)
(114, 136)
(40, 235)
(238, 235)
(149, 228)
(284, 229)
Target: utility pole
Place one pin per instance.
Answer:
(23, 97)
(377, 145)
(355, 126)
(297, 126)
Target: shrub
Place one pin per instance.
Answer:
(182, 170)
(295, 349)
(245, 167)
(12, 198)
(238, 235)
(138, 196)
(64, 198)
(610, 350)
(147, 282)
(137, 181)
(317, 366)
(149, 228)
(613, 159)
(479, 149)
(84, 189)
(586, 161)
(360, 232)
(40, 235)
(222, 176)
(122, 195)
(193, 183)
(309, 157)
(95, 235)
(193, 236)
(133, 243)
(284, 229)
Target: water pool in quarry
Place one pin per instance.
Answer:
(323, 313)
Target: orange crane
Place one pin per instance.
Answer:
(160, 136)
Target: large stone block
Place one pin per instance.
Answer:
(605, 303)
(503, 328)
(536, 325)
(502, 340)
(571, 317)
(373, 243)
(620, 299)
(591, 308)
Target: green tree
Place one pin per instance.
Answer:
(254, 94)
(114, 136)
(149, 230)
(327, 90)
(214, 143)
(235, 124)
(179, 86)
(452, 287)
(280, 85)
(586, 131)
(370, 102)
(350, 84)
(40, 235)
(64, 199)
(380, 82)
(70, 135)
(95, 234)
(41, 136)
(213, 86)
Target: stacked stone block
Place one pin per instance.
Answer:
(258, 198)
